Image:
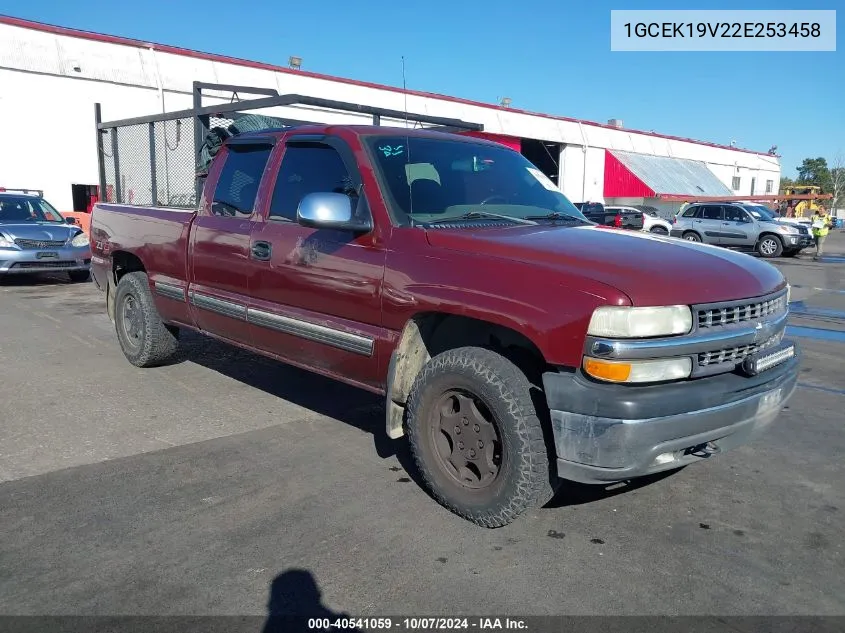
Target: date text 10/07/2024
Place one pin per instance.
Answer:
(722, 29)
(416, 624)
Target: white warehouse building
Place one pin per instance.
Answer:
(51, 77)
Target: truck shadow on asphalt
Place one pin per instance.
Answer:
(572, 493)
(355, 407)
(350, 405)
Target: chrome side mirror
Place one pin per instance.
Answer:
(330, 211)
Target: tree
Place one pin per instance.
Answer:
(837, 182)
(814, 171)
(786, 181)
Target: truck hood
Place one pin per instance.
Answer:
(650, 269)
(47, 231)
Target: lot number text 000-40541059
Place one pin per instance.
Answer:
(803, 30)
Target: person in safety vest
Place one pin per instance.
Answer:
(821, 227)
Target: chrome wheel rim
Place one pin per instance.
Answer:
(768, 247)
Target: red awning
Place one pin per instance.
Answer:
(634, 175)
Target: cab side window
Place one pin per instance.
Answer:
(237, 187)
(711, 213)
(307, 168)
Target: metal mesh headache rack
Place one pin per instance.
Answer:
(162, 159)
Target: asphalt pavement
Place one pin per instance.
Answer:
(226, 482)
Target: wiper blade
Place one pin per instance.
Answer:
(555, 215)
(476, 215)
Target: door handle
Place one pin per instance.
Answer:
(261, 250)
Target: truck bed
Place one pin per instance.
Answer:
(153, 234)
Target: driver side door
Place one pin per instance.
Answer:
(738, 228)
(316, 292)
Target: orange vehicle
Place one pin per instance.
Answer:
(801, 208)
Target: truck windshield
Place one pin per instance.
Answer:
(439, 180)
(27, 209)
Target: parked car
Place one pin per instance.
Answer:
(617, 217)
(35, 238)
(515, 343)
(746, 227)
(652, 223)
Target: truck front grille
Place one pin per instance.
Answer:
(39, 244)
(736, 355)
(739, 313)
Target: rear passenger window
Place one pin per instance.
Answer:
(711, 213)
(237, 186)
(307, 168)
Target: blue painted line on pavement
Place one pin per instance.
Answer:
(840, 392)
(819, 334)
(801, 308)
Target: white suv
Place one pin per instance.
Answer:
(651, 222)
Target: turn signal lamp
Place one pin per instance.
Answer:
(638, 371)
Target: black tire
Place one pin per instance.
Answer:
(692, 236)
(658, 230)
(502, 393)
(769, 246)
(145, 340)
(78, 276)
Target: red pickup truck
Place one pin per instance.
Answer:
(516, 343)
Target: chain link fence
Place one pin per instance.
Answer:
(153, 164)
(161, 160)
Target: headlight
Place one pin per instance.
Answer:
(6, 242)
(788, 229)
(626, 322)
(638, 370)
(80, 240)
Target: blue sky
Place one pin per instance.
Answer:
(548, 56)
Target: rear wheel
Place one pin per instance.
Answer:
(476, 437)
(769, 246)
(690, 236)
(145, 340)
(658, 230)
(77, 276)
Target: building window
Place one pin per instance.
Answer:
(736, 182)
(770, 184)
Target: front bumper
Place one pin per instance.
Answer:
(798, 241)
(27, 261)
(608, 433)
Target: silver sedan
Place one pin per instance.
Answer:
(35, 238)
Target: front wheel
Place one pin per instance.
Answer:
(769, 246)
(145, 340)
(658, 230)
(476, 437)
